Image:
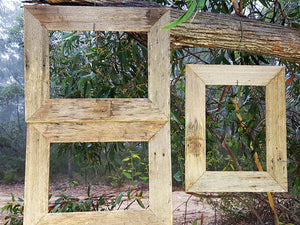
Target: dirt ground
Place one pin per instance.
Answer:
(186, 208)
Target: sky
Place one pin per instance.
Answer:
(10, 3)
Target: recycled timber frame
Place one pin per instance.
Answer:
(196, 177)
(96, 120)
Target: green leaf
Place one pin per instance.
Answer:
(139, 194)
(191, 7)
(128, 175)
(135, 182)
(137, 173)
(177, 176)
(12, 197)
(140, 203)
(126, 159)
(4, 208)
(89, 190)
(201, 4)
(67, 35)
(119, 198)
(195, 222)
(175, 118)
(136, 156)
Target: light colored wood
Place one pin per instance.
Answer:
(195, 132)
(275, 179)
(36, 64)
(96, 18)
(235, 75)
(95, 110)
(36, 176)
(235, 181)
(160, 185)
(99, 132)
(276, 129)
(159, 66)
(160, 175)
(134, 217)
(98, 120)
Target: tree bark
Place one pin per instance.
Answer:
(237, 33)
(219, 31)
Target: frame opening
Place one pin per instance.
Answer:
(97, 64)
(235, 128)
(94, 176)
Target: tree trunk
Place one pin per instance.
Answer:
(220, 31)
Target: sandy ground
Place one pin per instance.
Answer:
(186, 208)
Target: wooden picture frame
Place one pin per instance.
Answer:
(196, 177)
(96, 120)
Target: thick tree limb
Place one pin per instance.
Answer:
(237, 33)
(218, 31)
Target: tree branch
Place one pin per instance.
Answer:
(236, 33)
(219, 31)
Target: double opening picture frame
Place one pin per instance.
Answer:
(96, 120)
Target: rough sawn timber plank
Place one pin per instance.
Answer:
(83, 110)
(36, 65)
(95, 19)
(37, 176)
(160, 168)
(99, 132)
(236, 181)
(195, 132)
(276, 129)
(141, 217)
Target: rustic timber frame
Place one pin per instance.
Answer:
(96, 120)
(196, 177)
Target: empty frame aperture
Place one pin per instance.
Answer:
(196, 177)
(96, 120)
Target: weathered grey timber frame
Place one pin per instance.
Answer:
(196, 177)
(96, 120)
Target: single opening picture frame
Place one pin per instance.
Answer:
(96, 120)
(197, 179)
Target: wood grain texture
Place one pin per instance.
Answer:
(36, 176)
(276, 129)
(95, 18)
(135, 217)
(160, 176)
(99, 131)
(101, 120)
(200, 180)
(159, 65)
(195, 132)
(160, 172)
(94, 110)
(219, 31)
(235, 74)
(236, 181)
(36, 65)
